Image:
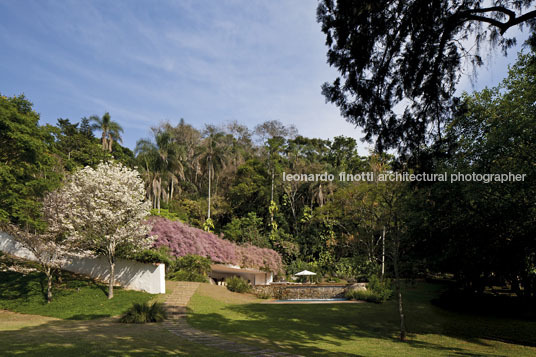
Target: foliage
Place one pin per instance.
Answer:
(483, 232)
(183, 239)
(377, 291)
(141, 313)
(111, 131)
(194, 264)
(381, 287)
(29, 166)
(165, 213)
(247, 229)
(105, 211)
(407, 55)
(365, 295)
(160, 255)
(208, 226)
(237, 285)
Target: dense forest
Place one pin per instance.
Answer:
(229, 180)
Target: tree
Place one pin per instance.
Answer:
(29, 166)
(481, 232)
(214, 154)
(76, 146)
(111, 131)
(106, 208)
(160, 160)
(405, 56)
(49, 245)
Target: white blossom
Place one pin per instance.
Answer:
(106, 208)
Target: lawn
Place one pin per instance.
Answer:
(76, 298)
(30, 335)
(361, 329)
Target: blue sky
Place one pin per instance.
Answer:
(151, 61)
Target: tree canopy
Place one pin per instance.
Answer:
(399, 61)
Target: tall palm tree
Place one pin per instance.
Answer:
(111, 130)
(161, 162)
(213, 155)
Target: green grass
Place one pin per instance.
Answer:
(75, 298)
(30, 335)
(362, 329)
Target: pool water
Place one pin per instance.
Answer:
(334, 299)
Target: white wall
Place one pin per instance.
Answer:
(129, 274)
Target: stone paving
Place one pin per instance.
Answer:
(177, 325)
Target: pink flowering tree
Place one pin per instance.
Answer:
(106, 209)
(183, 239)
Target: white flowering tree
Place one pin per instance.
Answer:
(49, 245)
(106, 211)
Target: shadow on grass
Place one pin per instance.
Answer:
(320, 329)
(98, 338)
(20, 286)
(87, 317)
(300, 332)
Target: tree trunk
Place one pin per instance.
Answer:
(48, 272)
(159, 193)
(112, 278)
(383, 252)
(397, 283)
(272, 200)
(209, 181)
(104, 141)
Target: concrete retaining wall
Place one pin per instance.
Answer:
(129, 274)
(286, 292)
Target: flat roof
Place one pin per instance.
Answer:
(234, 269)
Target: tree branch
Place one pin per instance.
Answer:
(513, 20)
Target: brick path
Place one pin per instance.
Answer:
(177, 325)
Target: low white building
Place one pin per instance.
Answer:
(222, 272)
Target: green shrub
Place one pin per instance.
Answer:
(365, 295)
(194, 264)
(382, 288)
(172, 216)
(160, 255)
(142, 313)
(237, 285)
(183, 275)
(378, 291)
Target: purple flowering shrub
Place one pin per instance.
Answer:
(183, 239)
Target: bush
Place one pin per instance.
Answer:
(195, 264)
(160, 255)
(172, 216)
(142, 313)
(183, 239)
(365, 295)
(378, 291)
(380, 287)
(184, 275)
(237, 285)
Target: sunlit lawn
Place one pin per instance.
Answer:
(362, 329)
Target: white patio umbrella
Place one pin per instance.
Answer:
(305, 273)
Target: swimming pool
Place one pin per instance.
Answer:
(333, 299)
